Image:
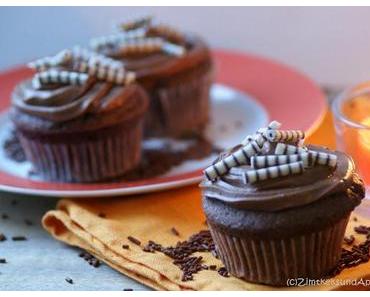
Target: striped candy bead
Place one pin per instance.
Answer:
(136, 23)
(274, 125)
(54, 76)
(284, 135)
(322, 158)
(150, 45)
(287, 149)
(117, 38)
(239, 157)
(47, 62)
(273, 160)
(256, 175)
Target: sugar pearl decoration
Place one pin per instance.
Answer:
(253, 176)
(47, 62)
(239, 157)
(54, 76)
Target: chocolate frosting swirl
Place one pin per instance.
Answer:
(160, 64)
(284, 192)
(60, 103)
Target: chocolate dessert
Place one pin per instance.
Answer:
(277, 209)
(80, 118)
(175, 68)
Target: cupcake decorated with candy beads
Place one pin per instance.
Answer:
(174, 67)
(277, 208)
(80, 118)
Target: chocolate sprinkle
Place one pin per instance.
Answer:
(127, 289)
(134, 240)
(175, 232)
(125, 246)
(349, 239)
(90, 259)
(13, 149)
(69, 280)
(2, 260)
(2, 237)
(223, 272)
(19, 238)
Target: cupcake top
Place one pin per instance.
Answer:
(272, 170)
(75, 84)
(152, 49)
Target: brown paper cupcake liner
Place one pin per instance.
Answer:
(181, 108)
(104, 157)
(274, 262)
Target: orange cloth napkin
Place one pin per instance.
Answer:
(151, 217)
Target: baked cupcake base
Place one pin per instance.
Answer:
(274, 262)
(106, 154)
(180, 107)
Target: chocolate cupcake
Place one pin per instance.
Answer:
(80, 118)
(176, 70)
(278, 210)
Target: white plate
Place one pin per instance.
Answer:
(233, 116)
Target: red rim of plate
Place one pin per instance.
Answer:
(287, 95)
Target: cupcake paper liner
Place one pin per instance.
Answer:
(179, 109)
(273, 262)
(103, 157)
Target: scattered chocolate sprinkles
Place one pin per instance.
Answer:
(134, 240)
(349, 239)
(182, 252)
(175, 232)
(69, 280)
(212, 267)
(13, 149)
(125, 246)
(357, 254)
(2, 237)
(19, 238)
(90, 259)
(158, 161)
(362, 230)
(223, 272)
(2, 260)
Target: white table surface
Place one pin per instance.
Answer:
(42, 263)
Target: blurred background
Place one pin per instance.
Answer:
(330, 44)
